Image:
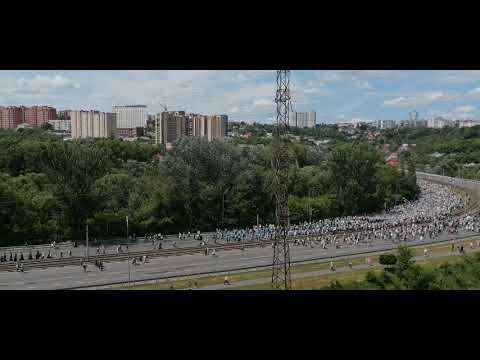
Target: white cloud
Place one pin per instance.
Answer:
(240, 77)
(316, 91)
(235, 109)
(102, 96)
(423, 99)
(45, 84)
(363, 85)
(465, 109)
(458, 76)
(474, 92)
(263, 103)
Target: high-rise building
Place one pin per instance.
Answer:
(217, 126)
(36, 116)
(171, 126)
(439, 123)
(468, 123)
(199, 125)
(64, 115)
(130, 117)
(385, 124)
(303, 120)
(151, 122)
(93, 124)
(413, 117)
(11, 116)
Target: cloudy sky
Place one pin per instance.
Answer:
(336, 96)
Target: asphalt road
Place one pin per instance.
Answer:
(73, 276)
(81, 250)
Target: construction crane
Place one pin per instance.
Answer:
(281, 278)
(158, 127)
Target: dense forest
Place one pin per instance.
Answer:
(451, 151)
(50, 188)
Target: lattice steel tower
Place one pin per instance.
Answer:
(281, 251)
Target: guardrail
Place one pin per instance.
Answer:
(13, 249)
(451, 180)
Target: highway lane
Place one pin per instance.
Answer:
(73, 276)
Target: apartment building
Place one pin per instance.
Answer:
(93, 124)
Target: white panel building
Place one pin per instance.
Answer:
(131, 116)
(468, 123)
(61, 125)
(303, 119)
(439, 123)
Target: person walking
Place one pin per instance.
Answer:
(332, 266)
(226, 281)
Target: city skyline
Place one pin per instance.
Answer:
(336, 96)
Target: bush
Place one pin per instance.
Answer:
(387, 259)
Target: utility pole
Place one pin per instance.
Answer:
(128, 253)
(310, 205)
(281, 278)
(87, 240)
(223, 208)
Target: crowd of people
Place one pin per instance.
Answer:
(430, 216)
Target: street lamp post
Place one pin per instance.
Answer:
(128, 254)
(87, 241)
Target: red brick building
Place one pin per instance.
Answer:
(11, 116)
(36, 116)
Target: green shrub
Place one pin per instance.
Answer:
(387, 259)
